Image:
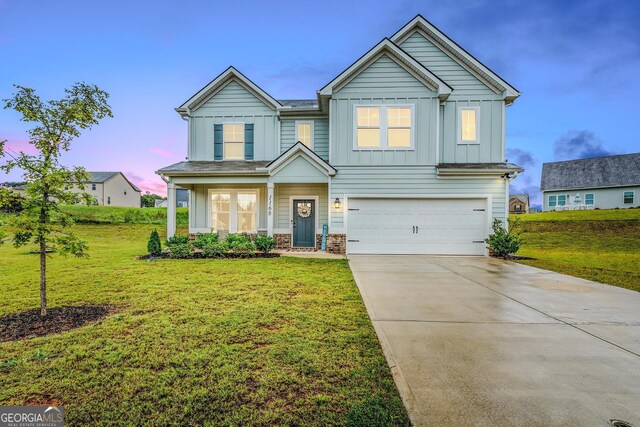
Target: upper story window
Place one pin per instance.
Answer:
(384, 127)
(588, 199)
(627, 197)
(233, 139)
(468, 129)
(304, 132)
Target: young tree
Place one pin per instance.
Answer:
(148, 200)
(49, 184)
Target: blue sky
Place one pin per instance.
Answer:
(576, 63)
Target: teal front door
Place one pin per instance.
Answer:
(304, 223)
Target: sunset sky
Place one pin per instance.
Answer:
(575, 62)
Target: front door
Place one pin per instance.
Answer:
(304, 223)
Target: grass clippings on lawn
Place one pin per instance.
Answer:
(281, 341)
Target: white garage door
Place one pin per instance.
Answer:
(417, 226)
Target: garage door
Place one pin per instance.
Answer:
(417, 226)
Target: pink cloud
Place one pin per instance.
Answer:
(16, 146)
(152, 184)
(161, 151)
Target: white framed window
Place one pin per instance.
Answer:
(469, 125)
(383, 127)
(589, 199)
(93, 187)
(562, 200)
(628, 197)
(234, 211)
(233, 141)
(518, 208)
(552, 201)
(304, 132)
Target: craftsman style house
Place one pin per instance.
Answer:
(403, 152)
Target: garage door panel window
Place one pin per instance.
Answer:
(383, 127)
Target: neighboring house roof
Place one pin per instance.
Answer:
(419, 23)
(478, 168)
(215, 167)
(101, 177)
(215, 85)
(524, 198)
(610, 171)
(405, 60)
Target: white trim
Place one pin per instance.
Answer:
(330, 132)
(311, 123)
(271, 207)
(633, 195)
(233, 206)
(487, 197)
(384, 127)
(316, 204)
(244, 131)
(459, 125)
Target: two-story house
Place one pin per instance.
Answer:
(402, 153)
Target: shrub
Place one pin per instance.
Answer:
(503, 242)
(177, 240)
(246, 248)
(10, 201)
(232, 239)
(180, 250)
(153, 245)
(202, 240)
(215, 249)
(265, 243)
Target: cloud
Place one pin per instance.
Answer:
(521, 157)
(579, 145)
(161, 151)
(16, 146)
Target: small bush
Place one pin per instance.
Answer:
(265, 243)
(246, 248)
(10, 201)
(503, 242)
(202, 240)
(180, 250)
(215, 249)
(153, 245)
(177, 240)
(232, 239)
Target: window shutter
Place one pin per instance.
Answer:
(218, 141)
(248, 141)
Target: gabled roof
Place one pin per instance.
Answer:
(405, 60)
(101, 177)
(221, 81)
(419, 23)
(524, 198)
(291, 153)
(610, 171)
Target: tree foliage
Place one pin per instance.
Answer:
(49, 183)
(148, 200)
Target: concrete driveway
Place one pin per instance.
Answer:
(479, 341)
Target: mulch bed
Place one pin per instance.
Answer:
(198, 255)
(29, 324)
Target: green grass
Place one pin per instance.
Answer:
(121, 215)
(599, 245)
(281, 341)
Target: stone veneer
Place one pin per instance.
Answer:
(283, 241)
(336, 243)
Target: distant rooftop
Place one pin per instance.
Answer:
(100, 177)
(610, 171)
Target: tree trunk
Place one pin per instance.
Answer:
(43, 278)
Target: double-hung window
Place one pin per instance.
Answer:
(235, 211)
(562, 200)
(589, 199)
(468, 125)
(552, 201)
(233, 138)
(627, 197)
(93, 187)
(304, 132)
(386, 127)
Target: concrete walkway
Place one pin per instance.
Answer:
(479, 341)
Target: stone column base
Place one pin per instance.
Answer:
(337, 243)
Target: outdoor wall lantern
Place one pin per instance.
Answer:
(337, 204)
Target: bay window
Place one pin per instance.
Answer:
(234, 211)
(385, 127)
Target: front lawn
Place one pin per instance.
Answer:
(280, 341)
(600, 245)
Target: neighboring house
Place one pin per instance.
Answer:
(402, 152)
(599, 183)
(519, 203)
(112, 189)
(182, 199)
(19, 189)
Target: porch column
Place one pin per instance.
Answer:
(171, 209)
(270, 208)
